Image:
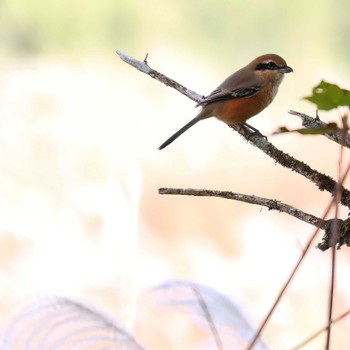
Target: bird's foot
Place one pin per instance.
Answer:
(253, 131)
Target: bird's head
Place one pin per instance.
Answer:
(270, 67)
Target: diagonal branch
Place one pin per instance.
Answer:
(145, 68)
(322, 181)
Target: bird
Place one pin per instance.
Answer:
(242, 95)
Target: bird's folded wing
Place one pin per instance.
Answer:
(220, 94)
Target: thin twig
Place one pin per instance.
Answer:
(334, 240)
(312, 337)
(331, 296)
(335, 233)
(145, 68)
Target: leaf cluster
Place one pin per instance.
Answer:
(327, 96)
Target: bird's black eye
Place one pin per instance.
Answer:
(270, 65)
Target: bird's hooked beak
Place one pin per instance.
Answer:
(285, 69)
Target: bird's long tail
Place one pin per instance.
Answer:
(181, 131)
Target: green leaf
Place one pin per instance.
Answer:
(327, 96)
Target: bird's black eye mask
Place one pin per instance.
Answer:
(270, 65)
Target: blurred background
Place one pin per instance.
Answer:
(81, 216)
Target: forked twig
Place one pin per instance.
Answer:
(314, 123)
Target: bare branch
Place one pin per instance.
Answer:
(314, 123)
(322, 181)
(271, 204)
(145, 68)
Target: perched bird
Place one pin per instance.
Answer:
(243, 94)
